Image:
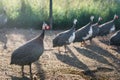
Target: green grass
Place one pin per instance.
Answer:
(32, 13)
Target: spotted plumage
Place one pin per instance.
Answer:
(115, 39)
(85, 32)
(66, 37)
(95, 28)
(107, 27)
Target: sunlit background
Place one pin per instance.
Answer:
(32, 13)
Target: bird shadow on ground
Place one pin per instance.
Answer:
(40, 72)
(19, 78)
(92, 55)
(115, 48)
(75, 62)
(101, 51)
(96, 53)
(105, 41)
(98, 50)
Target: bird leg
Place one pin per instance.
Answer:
(30, 72)
(104, 38)
(5, 46)
(22, 71)
(83, 43)
(80, 44)
(65, 46)
(91, 42)
(59, 50)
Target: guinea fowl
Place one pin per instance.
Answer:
(29, 52)
(115, 39)
(3, 18)
(3, 21)
(65, 38)
(3, 38)
(85, 32)
(107, 27)
(95, 28)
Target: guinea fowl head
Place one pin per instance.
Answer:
(44, 27)
(92, 19)
(115, 17)
(99, 19)
(74, 23)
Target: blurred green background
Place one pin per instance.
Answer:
(32, 13)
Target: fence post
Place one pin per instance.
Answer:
(50, 14)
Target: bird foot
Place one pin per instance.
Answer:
(23, 74)
(66, 51)
(35, 77)
(59, 51)
(83, 44)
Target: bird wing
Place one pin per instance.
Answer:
(95, 30)
(82, 32)
(116, 37)
(104, 29)
(27, 50)
(64, 37)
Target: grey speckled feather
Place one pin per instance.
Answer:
(95, 28)
(107, 27)
(62, 38)
(29, 52)
(104, 29)
(82, 32)
(115, 39)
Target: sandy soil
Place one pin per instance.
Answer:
(96, 61)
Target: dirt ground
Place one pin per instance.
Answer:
(96, 61)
